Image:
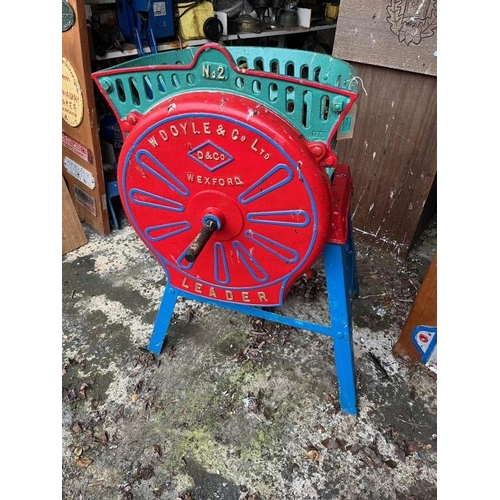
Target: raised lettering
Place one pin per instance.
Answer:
(229, 295)
(206, 128)
(174, 130)
(217, 73)
(245, 297)
(214, 181)
(197, 287)
(262, 296)
(235, 134)
(211, 292)
(255, 144)
(184, 283)
(153, 141)
(163, 135)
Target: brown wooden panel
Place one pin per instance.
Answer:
(73, 235)
(423, 312)
(89, 200)
(392, 156)
(399, 34)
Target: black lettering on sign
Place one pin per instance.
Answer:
(85, 200)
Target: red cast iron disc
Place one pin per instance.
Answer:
(218, 155)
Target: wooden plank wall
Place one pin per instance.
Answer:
(90, 202)
(393, 154)
(398, 34)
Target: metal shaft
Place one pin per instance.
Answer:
(201, 239)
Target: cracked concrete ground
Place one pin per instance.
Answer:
(237, 408)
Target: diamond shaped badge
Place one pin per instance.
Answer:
(210, 156)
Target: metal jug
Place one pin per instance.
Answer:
(289, 17)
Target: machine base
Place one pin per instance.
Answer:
(342, 287)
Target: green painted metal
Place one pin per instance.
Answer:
(312, 91)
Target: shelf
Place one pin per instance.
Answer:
(129, 49)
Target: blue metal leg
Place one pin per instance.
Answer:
(112, 192)
(338, 285)
(163, 318)
(340, 275)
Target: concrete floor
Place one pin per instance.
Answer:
(234, 407)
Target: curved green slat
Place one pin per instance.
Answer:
(312, 91)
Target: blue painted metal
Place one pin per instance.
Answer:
(341, 281)
(111, 193)
(144, 21)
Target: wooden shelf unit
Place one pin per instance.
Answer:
(129, 49)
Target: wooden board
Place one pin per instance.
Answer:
(73, 235)
(399, 34)
(423, 312)
(393, 156)
(81, 153)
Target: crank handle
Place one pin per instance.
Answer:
(201, 239)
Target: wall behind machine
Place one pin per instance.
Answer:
(393, 153)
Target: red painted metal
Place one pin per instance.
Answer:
(211, 154)
(341, 195)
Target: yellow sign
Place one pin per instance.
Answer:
(72, 98)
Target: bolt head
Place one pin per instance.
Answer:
(107, 85)
(338, 104)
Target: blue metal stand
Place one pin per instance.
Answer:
(111, 193)
(342, 287)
